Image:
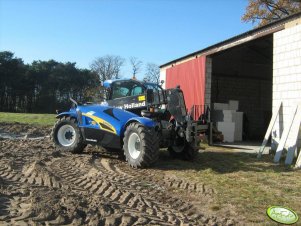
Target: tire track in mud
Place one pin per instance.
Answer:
(17, 208)
(35, 173)
(26, 206)
(95, 177)
(167, 184)
(39, 186)
(159, 188)
(166, 181)
(4, 206)
(22, 181)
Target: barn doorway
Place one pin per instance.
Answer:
(245, 73)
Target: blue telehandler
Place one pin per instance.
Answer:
(135, 117)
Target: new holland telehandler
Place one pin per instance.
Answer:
(135, 117)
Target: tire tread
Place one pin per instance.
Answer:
(150, 141)
(79, 145)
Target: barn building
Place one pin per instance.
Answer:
(257, 69)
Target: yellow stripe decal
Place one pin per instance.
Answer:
(101, 122)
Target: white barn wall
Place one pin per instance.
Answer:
(163, 76)
(286, 76)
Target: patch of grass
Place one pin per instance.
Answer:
(215, 208)
(34, 119)
(242, 180)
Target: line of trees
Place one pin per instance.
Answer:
(43, 86)
(46, 86)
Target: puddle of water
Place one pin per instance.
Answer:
(37, 138)
(12, 136)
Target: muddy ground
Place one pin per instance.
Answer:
(41, 186)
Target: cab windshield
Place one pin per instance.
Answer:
(126, 88)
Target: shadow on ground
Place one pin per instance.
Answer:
(222, 162)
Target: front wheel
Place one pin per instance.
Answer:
(141, 145)
(67, 136)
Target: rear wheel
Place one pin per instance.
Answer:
(182, 150)
(67, 136)
(141, 145)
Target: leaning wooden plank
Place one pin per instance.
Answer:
(294, 137)
(284, 136)
(269, 130)
(298, 162)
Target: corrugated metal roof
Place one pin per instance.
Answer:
(257, 32)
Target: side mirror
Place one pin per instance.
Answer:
(150, 96)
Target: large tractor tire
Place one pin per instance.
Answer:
(182, 150)
(140, 145)
(67, 136)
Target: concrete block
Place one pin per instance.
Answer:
(220, 106)
(228, 129)
(238, 120)
(222, 115)
(233, 105)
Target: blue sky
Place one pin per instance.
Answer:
(154, 31)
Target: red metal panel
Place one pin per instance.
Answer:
(191, 78)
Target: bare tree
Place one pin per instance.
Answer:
(107, 67)
(267, 11)
(152, 73)
(136, 65)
